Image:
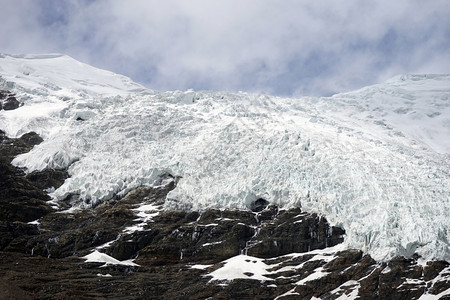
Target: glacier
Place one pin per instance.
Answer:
(375, 161)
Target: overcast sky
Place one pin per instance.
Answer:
(282, 47)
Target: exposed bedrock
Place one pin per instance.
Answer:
(8, 100)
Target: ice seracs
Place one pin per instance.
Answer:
(375, 161)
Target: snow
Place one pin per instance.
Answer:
(237, 266)
(375, 161)
(200, 267)
(145, 214)
(252, 268)
(241, 267)
(444, 276)
(63, 76)
(435, 297)
(107, 244)
(290, 293)
(211, 244)
(326, 255)
(35, 222)
(318, 273)
(352, 285)
(97, 256)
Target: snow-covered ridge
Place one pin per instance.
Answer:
(376, 161)
(61, 76)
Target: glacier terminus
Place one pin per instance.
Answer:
(375, 161)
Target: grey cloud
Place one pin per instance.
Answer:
(280, 47)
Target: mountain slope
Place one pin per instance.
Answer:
(374, 161)
(60, 75)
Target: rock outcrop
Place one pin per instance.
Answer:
(8, 100)
(20, 200)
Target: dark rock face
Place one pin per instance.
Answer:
(292, 231)
(47, 178)
(20, 199)
(8, 101)
(218, 235)
(42, 260)
(259, 205)
(11, 103)
(4, 94)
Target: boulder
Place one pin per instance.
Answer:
(11, 103)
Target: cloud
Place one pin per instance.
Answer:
(279, 47)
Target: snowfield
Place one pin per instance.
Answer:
(375, 161)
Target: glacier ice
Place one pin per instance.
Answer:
(375, 161)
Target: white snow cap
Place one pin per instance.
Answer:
(375, 161)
